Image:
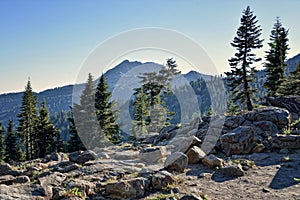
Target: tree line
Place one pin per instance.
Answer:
(36, 136)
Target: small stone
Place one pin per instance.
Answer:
(205, 175)
(258, 148)
(265, 190)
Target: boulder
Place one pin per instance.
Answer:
(232, 122)
(88, 188)
(81, 157)
(183, 144)
(195, 155)
(239, 141)
(278, 116)
(152, 155)
(127, 189)
(21, 192)
(286, 141)
(177, 161)
(50, 180)
(5, 168)
(212, 161)
(162, 179)
(292, 104)
(265, 128)
(55, 157)
(125, 155)
(58, 193)
(232, 170)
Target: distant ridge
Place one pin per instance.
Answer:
(60, 98)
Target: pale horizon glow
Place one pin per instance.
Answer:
(49, 40)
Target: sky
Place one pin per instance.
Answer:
(48, 41)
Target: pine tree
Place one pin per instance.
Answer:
(242, 74)
(2, 148)
(276, 57)
(27, 120)
(105, 115)
(141, 113)
(291, 85)
(150, 96)
(11, 152)
(86, 119)
(45, 133)
(75, 143)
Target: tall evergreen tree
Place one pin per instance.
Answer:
(27, 120)
(75, 143)
(45, 133)
(276, 56)
(86, 119)
(141, 114)
(291, 85)
(242, 74)
(11, 152)
(2, 147)
(105, 115)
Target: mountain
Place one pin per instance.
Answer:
(292, 63)
(194, 76)
(60, 99)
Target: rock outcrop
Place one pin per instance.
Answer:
(239, 141)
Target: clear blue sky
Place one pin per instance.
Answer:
(48, 40)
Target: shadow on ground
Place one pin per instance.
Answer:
(285, 175)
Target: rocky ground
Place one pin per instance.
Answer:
(247, 156)
(253, 176)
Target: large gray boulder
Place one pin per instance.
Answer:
(195, 155)
(50, 180)
(152, 155)
(82, 157)
(21, 192)
(278, 116)
(128, 189)
(239, 141)
(213, 161)
(177, 161)
(183, 144)
(232, 170)
(86, 187)
(292, 104)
